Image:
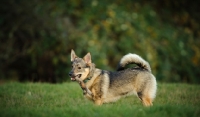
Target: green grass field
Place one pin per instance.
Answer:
(66, 99)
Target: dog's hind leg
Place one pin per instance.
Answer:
(148, 93)
(146, 100)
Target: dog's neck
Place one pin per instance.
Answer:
(91, 72)
(96, 73)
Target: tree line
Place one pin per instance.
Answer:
(36, 37)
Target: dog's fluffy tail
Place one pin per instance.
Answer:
(133, 59)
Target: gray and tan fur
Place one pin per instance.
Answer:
(105, 86)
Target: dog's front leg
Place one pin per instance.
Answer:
(97, 98)
(98, 102)
(84, 88)
(88, 91)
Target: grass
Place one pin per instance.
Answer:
(54, 100)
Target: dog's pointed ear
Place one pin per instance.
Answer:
(73, 55)
(87, 58)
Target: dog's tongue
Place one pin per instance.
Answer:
(73, 79)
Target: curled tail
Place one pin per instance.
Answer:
(133, 59)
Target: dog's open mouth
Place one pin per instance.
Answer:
(74, 78)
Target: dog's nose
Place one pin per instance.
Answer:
(70, 73)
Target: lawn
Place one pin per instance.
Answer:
(66, 99)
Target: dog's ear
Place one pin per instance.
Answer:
(73, 55)
(87, 58)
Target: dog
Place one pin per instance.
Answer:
(102, 86)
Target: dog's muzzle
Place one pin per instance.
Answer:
(73, 77)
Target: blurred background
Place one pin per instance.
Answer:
(36, 37)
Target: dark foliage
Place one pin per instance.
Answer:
(36, 37)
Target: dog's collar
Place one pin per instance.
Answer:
(86, 80)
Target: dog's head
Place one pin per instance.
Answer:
(80, 67)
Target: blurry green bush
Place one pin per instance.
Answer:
(36, 37)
